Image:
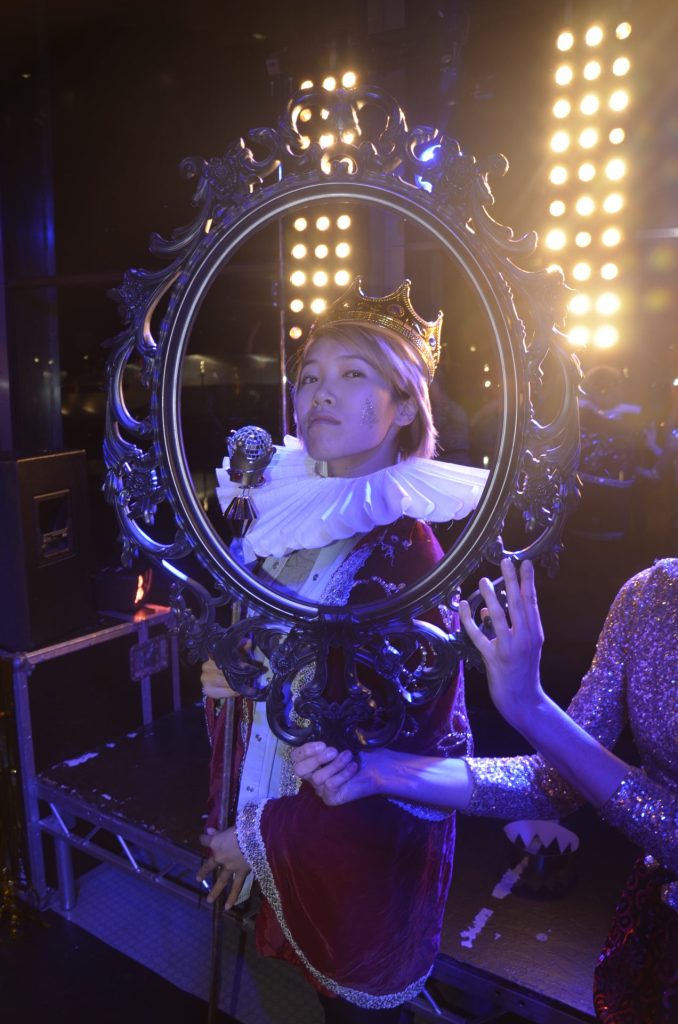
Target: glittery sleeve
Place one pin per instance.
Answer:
(647, 813)
(644, 809)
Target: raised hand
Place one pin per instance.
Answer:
(512, 656)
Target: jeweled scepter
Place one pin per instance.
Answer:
(250, 449)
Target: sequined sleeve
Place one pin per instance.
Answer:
(647, 813)
(642, 619)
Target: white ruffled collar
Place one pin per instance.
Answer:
(300, 509)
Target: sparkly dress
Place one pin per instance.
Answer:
(633, 681)
(355, 894)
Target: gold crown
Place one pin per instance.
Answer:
(393, 311)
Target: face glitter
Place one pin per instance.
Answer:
(368, 417)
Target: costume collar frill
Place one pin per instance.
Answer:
(300, 509)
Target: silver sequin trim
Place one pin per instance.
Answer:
(421, 810)
(250, 841)
(637, 808)
(340, 584)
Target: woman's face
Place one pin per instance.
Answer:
(347, 414)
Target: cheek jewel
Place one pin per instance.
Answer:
(368, 416)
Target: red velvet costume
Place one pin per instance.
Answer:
(355, 894)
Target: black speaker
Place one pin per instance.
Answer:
(45, 585)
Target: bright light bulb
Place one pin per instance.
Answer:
(326, 140)
(594, 36)
(347, 137)
(613, 203)
(296, 305)
(561, 108)
(299, 251)
(307, 84)
(588, 138)
(615, 169)
(320, 279)
(616, 136)
(581, 271)
(621, 66)
(609, 271)
(611, 237)
(592, 70)
(582, 239)
(608, 304)
(557, 208)
(318, 305)
(605, 336)
(349, 79)
(305, 114)
(300, 224)
(619, 100)
(558, 175)
(590, 104)
(321, 251)
(585, 206)
(565, 41)
(343, 250)
(329, 83)
(555, 239)
(580, 304)
(560, 141)
(322, 223)
(564, 75)
(586, 172)
(298, 278)
(579, 336)
(342, 277)
(623, 30)
(295, 333)
(343, 222)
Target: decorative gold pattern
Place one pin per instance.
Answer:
(394, 312)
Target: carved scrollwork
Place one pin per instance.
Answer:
(368, 154)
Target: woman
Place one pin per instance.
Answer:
(632, 680)
(341, 519)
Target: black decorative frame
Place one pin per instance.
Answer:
(535, 472)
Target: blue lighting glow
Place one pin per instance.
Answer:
(427, 155)
(175, 572)
(430, 152)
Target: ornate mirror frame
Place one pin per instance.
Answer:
(417, 174)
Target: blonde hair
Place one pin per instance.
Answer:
(400, 366)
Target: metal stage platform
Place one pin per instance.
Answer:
(136, 802)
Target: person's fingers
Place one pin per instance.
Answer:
(323, 773)
(514, 596)
(307, 750)
(305, 768)
(333, 791)
(474, 633)
(220, 883)
(497, 613)
(239, 878)
(206, 869)
(531, 603)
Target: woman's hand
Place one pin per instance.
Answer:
(512, 657)
(214, 682)
(226, 856)
(336, 777)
